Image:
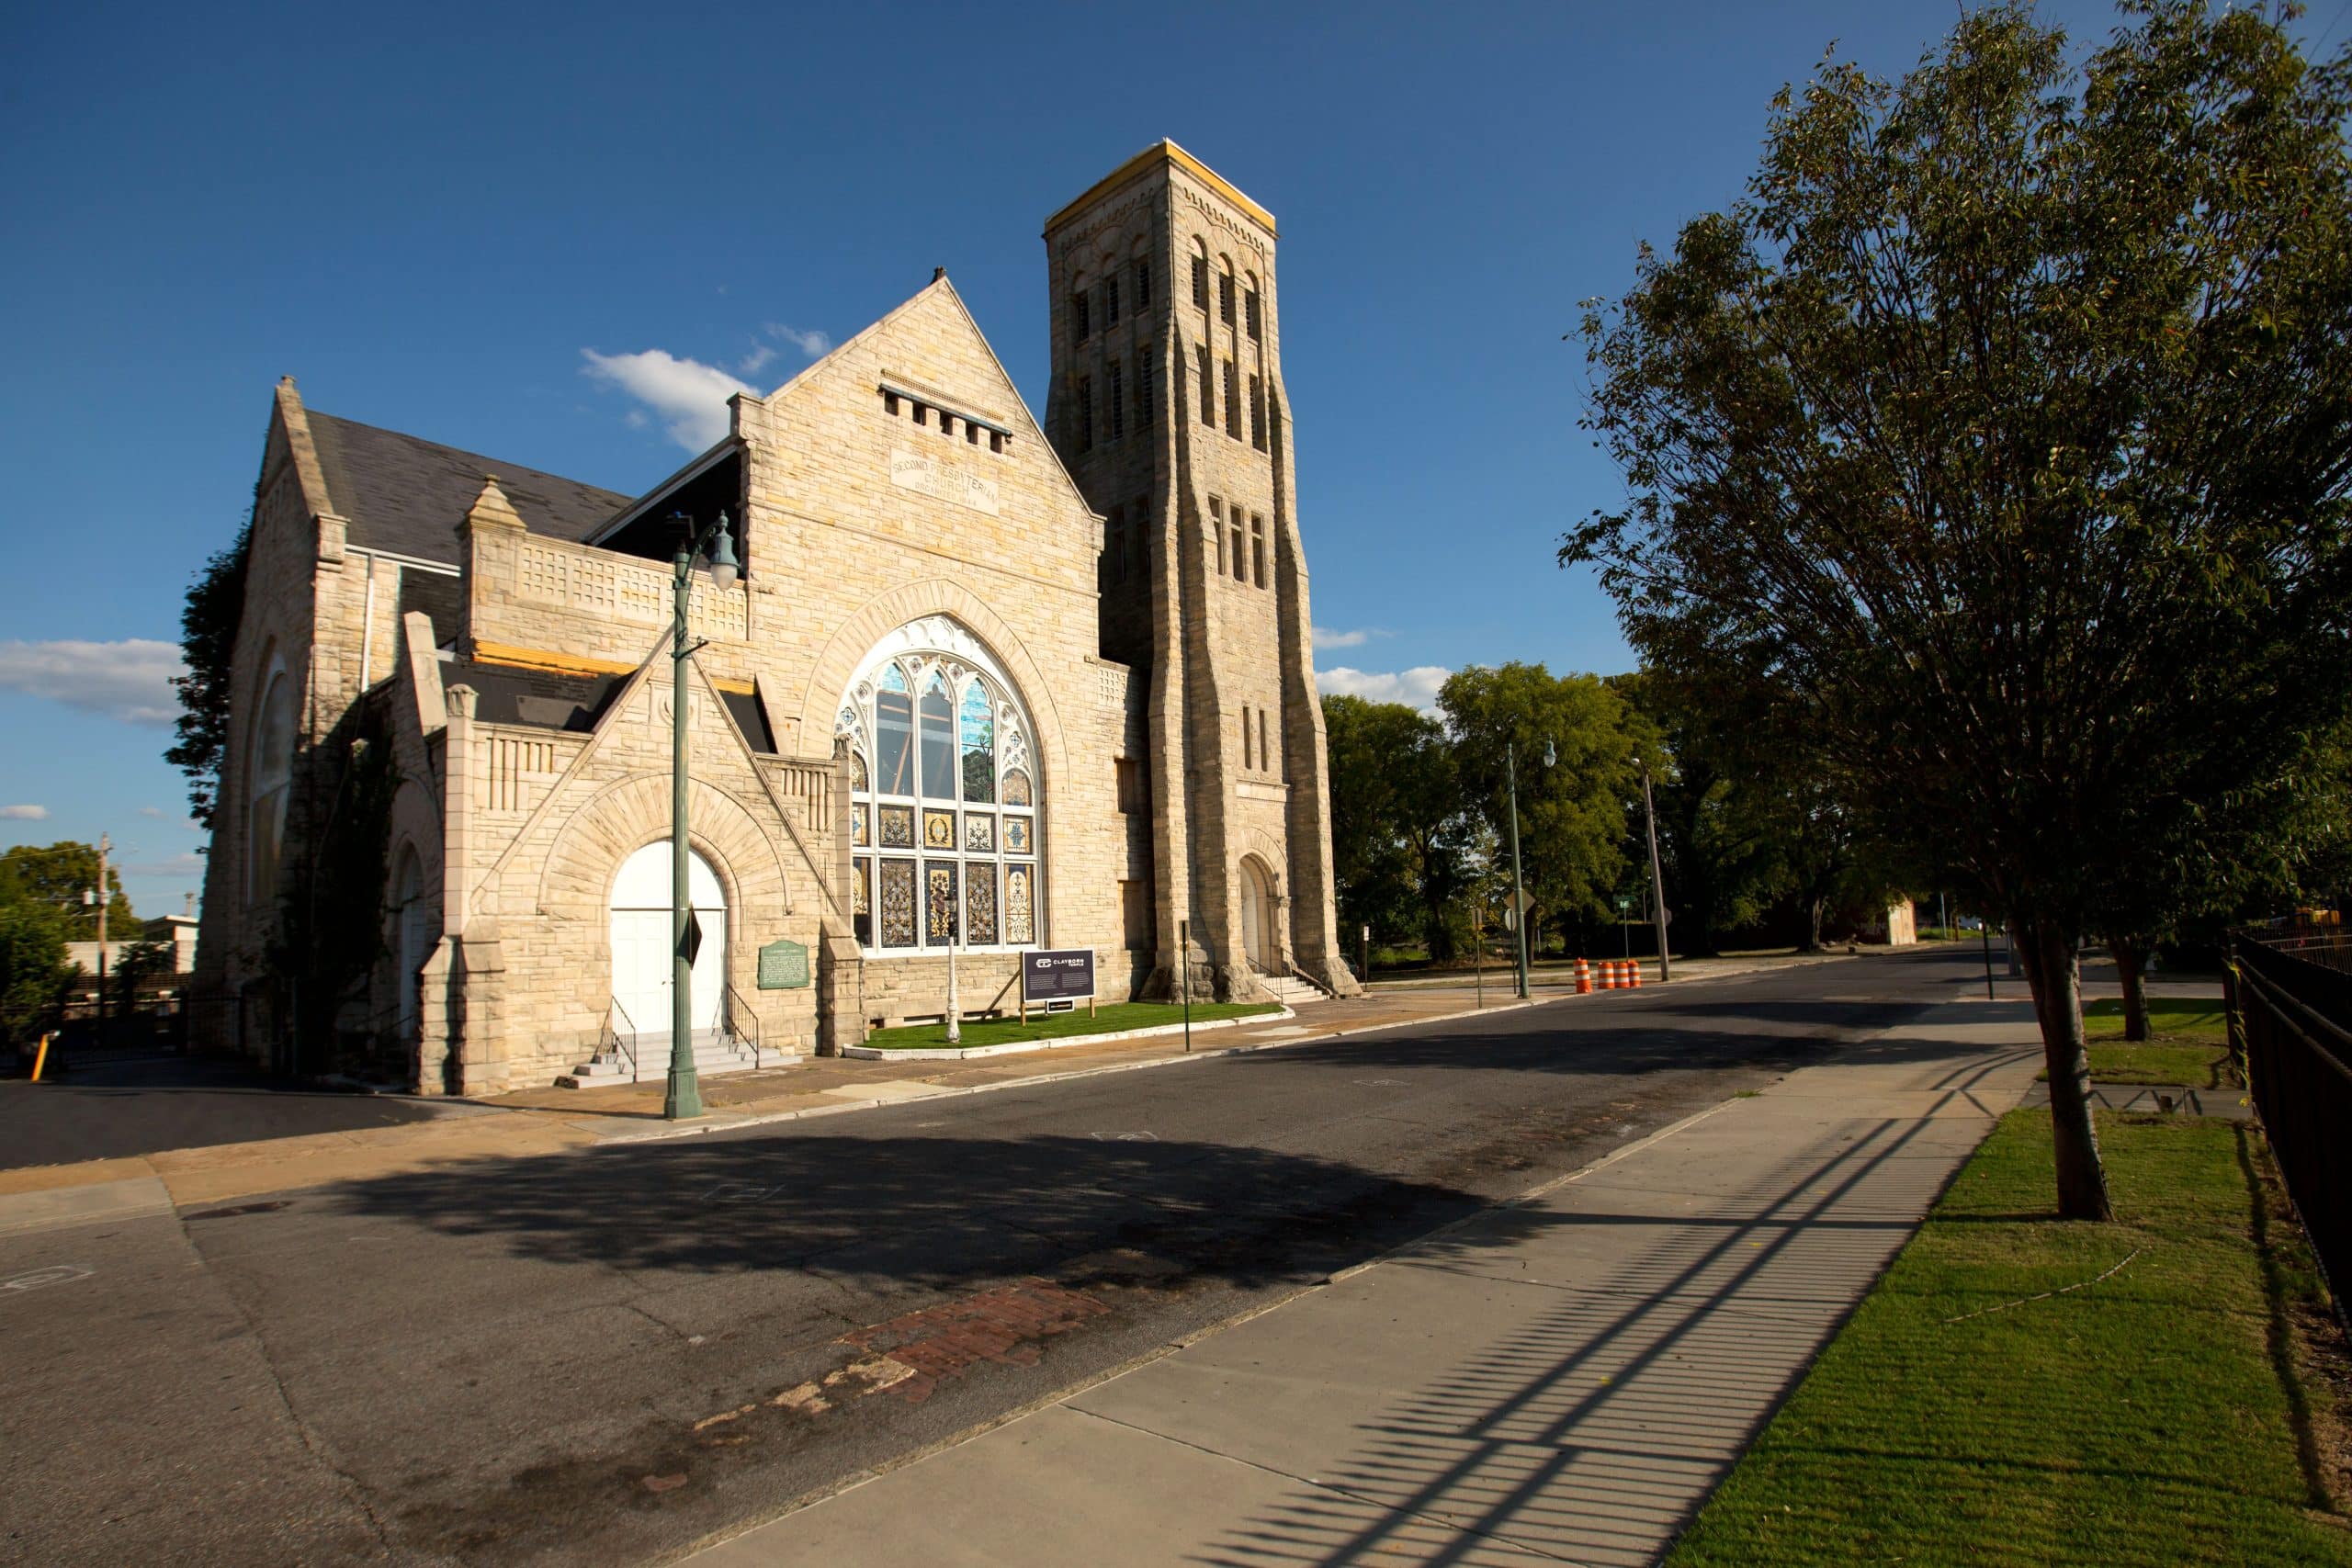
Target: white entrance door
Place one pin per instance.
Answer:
(641, 946)
(1257, 918)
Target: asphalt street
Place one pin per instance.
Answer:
(605, 1356)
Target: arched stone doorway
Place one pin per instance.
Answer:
(641, 944)
(1260, 938)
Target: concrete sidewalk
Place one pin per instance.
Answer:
(1567, 1377)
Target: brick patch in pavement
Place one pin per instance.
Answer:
(1004, 1326)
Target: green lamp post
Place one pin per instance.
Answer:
(683, 1100)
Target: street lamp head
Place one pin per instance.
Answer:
(1550, 755)
(723, 565)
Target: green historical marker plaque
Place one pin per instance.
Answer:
(782, 965)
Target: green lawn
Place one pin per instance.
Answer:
(2189, 1044)
(1107, 1020)
(2139, 1420)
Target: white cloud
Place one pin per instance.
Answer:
(809, 341)
(758, 359)
(24, 813)
(129, 680)
(1417, 686)
(1326, 637)
(688, 395)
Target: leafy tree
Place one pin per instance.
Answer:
(1572, 814)
(216, 602)
(1719, 834)
(2003, 431)
(1404, 843)
(34, 975)
(331, 928)
(55, 876)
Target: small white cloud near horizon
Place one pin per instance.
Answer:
(1328, 637)
(24, 813)
(1417, 687)
(129, 680)
(687, 396)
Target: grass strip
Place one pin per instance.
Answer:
(1107, 1020)
(2150, 1417)
(2189, 1044)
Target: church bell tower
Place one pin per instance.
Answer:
(1168, 406)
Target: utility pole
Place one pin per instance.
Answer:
(1518, 896)
(1658, 880)
(104, 844)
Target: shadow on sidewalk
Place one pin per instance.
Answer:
(1594, 1432)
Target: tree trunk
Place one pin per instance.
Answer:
(2056, 979)
(2131, 967)
(1814, 909)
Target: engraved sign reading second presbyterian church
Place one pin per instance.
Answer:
(942, 480)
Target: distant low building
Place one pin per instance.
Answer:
(178, 931)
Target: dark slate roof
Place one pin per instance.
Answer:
(538, 698)
(408, 496)
(550, 700)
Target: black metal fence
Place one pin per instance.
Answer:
(2290, 992)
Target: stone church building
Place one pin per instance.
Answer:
(980, 681)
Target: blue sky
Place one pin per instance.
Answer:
(543, 233)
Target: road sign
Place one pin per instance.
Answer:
(1521, 901)
(691, 943)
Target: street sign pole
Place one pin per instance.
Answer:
(1184, 969)
(684, 1098)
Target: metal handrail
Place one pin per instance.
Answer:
(738, 1008)
(1290, 964)
(616, 1043)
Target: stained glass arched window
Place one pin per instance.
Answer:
(943, 796)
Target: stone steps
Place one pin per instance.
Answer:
(715, 1052)
(1290, 990)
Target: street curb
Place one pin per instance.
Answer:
(1021, 1047)
(698, 1129)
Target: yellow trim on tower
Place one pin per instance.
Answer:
(578, 664)
(1166, 152)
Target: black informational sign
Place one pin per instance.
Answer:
(1058, 976)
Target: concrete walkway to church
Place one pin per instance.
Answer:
(1565, 1378)
(553, 1121)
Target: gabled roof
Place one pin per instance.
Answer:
(406, 495)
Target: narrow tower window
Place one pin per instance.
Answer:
(1224, 297)
(1248, 760)
(1257, 321)
(1265, 758)
(1146, 374)
(1143, 284)
(1208, 391)
(1111, 301)
(1232, 401)
(1258, 548)
(1200, 283)
(1079, 327)
(1082, 410)
(1240, 567)
(1257, 412)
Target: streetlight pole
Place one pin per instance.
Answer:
(683, 1098)
(1518, 894)
(1658, 880)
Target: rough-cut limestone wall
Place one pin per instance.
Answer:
(1230, 612)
